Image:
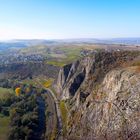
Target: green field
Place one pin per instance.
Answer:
(71, 54)
(4, 92)
(4, 127)
(60, 54)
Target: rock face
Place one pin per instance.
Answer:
(102, 93)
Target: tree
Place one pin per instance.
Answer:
(18, 91)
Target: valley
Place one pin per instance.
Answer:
(69, 69)
(70, 91)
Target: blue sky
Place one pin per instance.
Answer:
(58, 19)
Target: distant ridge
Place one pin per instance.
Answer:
(22, 43)
(129, 40)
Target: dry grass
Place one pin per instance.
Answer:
(48, 83)
(64, 114)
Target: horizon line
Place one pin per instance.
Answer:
(101, 38)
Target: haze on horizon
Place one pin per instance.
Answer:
(61, 19)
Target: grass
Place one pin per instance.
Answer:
(136, 63)
(64, 114)
(4, 92)
(60, 63)
(71, 54)
(39, 82)
(48, 83)
(4, 127)
(29, 82)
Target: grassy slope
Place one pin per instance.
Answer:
(4, 123)
(4, 92)
(64, 114)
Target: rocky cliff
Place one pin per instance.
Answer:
(102, 94)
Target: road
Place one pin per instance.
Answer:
(54, 103)
(54, 114)
(51, 121)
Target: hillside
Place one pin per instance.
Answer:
(71, 92)
(101, 92)
(21, 71)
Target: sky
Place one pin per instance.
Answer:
(63, 19)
